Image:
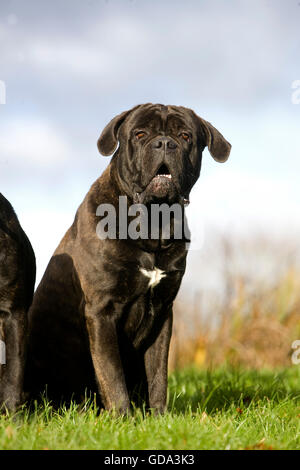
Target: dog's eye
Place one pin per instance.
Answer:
(140, 134)
(185, 136)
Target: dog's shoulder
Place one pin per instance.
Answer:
(9, 223)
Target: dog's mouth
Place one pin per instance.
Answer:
(161, 187)
(161, 183)
(162, 172)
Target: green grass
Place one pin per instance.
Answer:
(222, 409)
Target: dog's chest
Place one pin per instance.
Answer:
(144, 310)
(155, 289)
(154, 276)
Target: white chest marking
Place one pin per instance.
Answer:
(154, 276)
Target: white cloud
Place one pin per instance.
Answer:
(210, 50)
(69, 57)
(245, 203)
(45, 229)
(32, 142)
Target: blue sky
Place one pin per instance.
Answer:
(70, 66)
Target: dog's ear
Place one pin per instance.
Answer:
(108, 140)
(217, 145)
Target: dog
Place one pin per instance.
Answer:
(101, 318)
(17, 279)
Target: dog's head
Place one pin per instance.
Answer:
(160, 150)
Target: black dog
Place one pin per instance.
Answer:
(101, 318)
(17, 278)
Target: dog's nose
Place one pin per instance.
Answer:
(164, 143)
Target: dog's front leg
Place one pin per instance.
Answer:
(156, 365)
(12, 335)
(106, 360)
